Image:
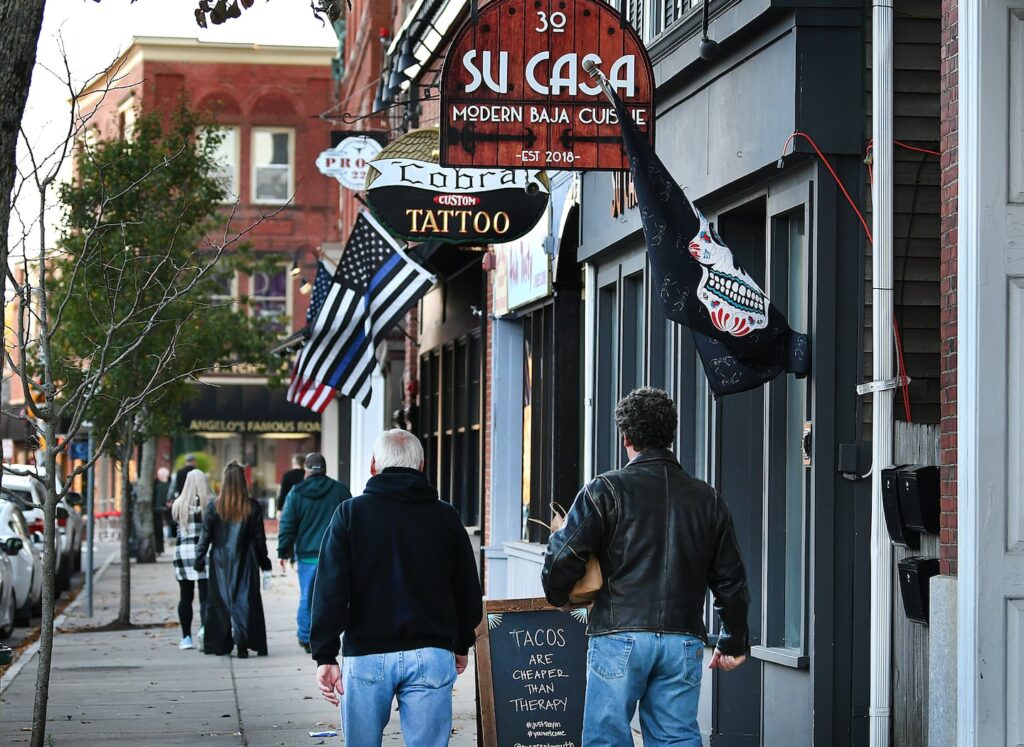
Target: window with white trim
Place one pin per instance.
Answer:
(227, 163)
(268, 295)
(273, 160)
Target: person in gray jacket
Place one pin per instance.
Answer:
(308, 510)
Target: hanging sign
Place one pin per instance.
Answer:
(417, 199)
(526, 265)
(347, 161)
(514, 93)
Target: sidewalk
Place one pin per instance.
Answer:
(136, 688)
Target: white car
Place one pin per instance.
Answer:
(6, 595)
(26, 564)
(73, 522)
(28, 495)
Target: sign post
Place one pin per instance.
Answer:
(514, 93)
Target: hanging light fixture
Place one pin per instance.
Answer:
(378, 100)
(407, 60)
(305, 288)
(708, 46)
(395, 81)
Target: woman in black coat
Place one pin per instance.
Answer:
(233, 534)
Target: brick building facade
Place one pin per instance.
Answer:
(267, 102)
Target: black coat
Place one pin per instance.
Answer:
(396, 573)
(234, 612)
(289, 480)
(662, 538)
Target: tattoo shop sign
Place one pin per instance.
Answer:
(514, 93)
(347, 161)
(417, 199)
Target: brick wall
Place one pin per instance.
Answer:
(950, 161)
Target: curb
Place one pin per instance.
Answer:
(28, 654)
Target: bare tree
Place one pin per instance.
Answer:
(144, 292)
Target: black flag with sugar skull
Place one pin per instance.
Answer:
(742, 339)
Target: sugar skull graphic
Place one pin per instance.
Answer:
(735, 303)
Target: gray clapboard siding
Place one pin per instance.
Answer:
(913, 443)
(916, 201)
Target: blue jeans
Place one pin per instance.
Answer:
(307, 577)
(421, 678)
(660, 670)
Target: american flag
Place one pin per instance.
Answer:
(375, 284)
(321, 286)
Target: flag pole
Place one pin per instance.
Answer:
(591, 69)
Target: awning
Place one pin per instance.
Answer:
(246, 408)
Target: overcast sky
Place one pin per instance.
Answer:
(94, 34)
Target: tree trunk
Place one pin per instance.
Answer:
(124, 613)
(20, 23)
(145, 547)
(42, 692)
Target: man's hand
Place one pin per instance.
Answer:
(460, 664)
(284, 564)
(725, 662)
(328, 680)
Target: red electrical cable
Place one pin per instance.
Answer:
(896, 331)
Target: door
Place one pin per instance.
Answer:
(991, 373)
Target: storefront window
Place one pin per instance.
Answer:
(538, 423)
(633, 332)
(450, 423)
(787, 507)
(607, 385)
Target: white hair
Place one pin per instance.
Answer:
(195, 493)
(397, 448)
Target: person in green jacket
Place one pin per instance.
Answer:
(308, 510)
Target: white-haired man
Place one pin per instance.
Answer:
(398, 578)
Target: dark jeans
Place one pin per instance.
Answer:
(185, 604)
(158, 530)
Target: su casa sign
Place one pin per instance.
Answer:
(514, 93)
(417, 199)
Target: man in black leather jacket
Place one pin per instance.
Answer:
(663, 538)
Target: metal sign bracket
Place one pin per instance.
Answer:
(871, 387)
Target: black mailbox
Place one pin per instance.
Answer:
(915, 574)
(899, 532)
(919, 498)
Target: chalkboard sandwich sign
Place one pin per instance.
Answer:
(532, 672)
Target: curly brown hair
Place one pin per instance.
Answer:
(647, 417)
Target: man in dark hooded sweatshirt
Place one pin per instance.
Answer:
(308, 509)
(397, 576)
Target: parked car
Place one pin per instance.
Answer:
(75, 524)
(7, 589)
(29, 496)
(27, 564)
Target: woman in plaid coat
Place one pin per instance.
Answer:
(189, 510)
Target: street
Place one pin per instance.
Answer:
(135, 687)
